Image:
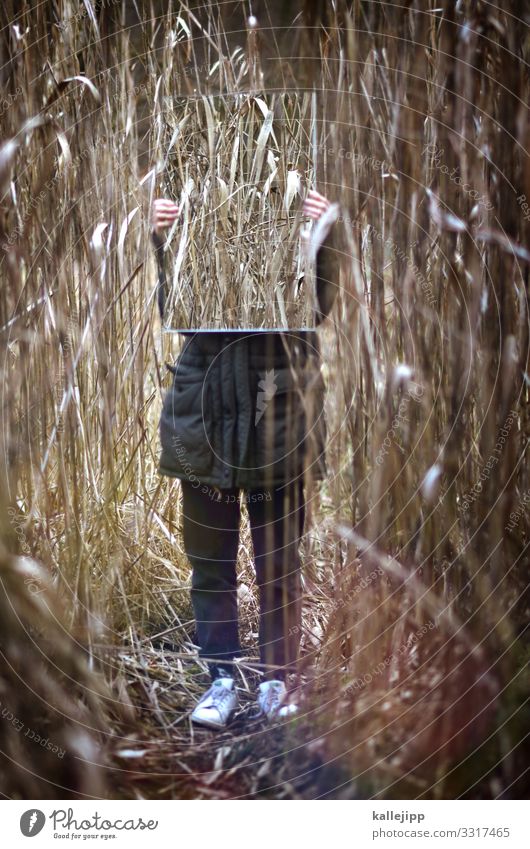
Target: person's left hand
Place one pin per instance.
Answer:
(315, 205)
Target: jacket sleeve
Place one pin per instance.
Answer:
(324, 251)
(161, 289)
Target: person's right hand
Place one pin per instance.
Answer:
(165, 212)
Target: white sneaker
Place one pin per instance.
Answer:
(217, 705)
(271, 698)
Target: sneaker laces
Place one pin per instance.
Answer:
(218, 693)
(273, 701)
(223, 694)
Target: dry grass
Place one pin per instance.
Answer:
(426, 362)
(238, 164)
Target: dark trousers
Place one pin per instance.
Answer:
(211, 535)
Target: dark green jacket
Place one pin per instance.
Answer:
(246, 408)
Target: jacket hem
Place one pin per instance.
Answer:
(261, 484)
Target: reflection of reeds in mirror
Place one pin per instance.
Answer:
(237, 164)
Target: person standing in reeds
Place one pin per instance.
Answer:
(244, 418)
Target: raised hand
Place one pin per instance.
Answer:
(165, 212)
(315, 205)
